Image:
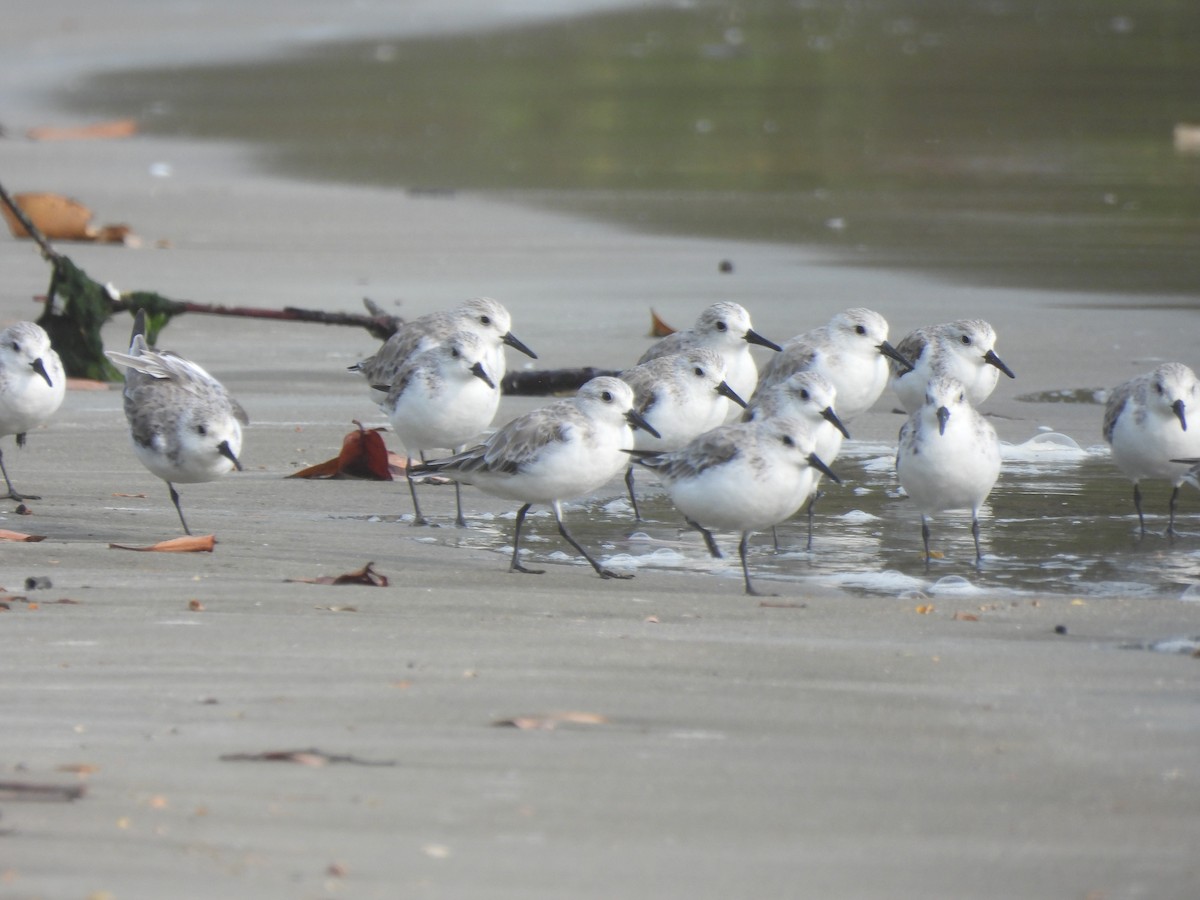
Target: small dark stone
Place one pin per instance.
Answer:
(726, 266)
(1060, 629)
(36, 582)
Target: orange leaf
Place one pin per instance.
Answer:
(189, 544)
(366, 575)
(117, 128)
(363, 455)
(659, 328)
(60, 218)
(18, 536)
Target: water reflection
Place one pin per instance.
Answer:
(1008, 142)
(1056, 524)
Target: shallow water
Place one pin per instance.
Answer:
(995, 143)
(1058, 522)
(1001, 142)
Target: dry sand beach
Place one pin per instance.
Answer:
(826, 745)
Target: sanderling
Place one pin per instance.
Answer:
(482, 315)
(441, 397)
(32, 385)
(808, 398)
(948, 456)
(567, 449)
(851, 351)
(184, 425)
(681, 395)
(964, 350)
(724, 327)
(744, 477)
(1146, 422)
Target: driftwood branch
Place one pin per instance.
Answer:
(549, 381)
(87, 305)
(381, 326)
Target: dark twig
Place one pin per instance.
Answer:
(20, 790)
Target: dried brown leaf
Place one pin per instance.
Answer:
(60, 218)
(116, 128)
(550, 721)
(20, 536)
(309, 757)
(366, 575)
(189, 544)
(659, 328)
(363, 455)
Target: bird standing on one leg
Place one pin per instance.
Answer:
(184, 425)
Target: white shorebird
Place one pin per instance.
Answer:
(184, 425)
(567, 449)
(32, 385)
(441, 397)
(681, 395)
(964, 350)
(809, 399)
(486, 317)
(724, 327)
(948, 457)
(851, 351)
(1146, 422)
(744, 477)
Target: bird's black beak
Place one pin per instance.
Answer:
(753, 337)
(513, 341)
(993, 360)
(480, 372)
(38, 366)
(1177, 408)
(943, 415)
(832, 418)
(726, 391)
(637, 420)
(816, 463)
(226, 451)
(889, 351)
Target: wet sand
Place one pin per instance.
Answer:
(829, 745)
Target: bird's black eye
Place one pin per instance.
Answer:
(699, 372)
(1158, 387)
(787, 441)
(201, 430)
(721, 326)
(966, 339)
(804, 395)
(454, 352)
(606, 396)
(962, 397)
(16, 347)
(860, 329)
(485, 320)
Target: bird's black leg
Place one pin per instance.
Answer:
(600, 570)
(516, 566)
(709, 540)
(179, 509)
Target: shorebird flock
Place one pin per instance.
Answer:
(737, 450)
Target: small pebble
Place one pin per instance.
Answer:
(1060, 629)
